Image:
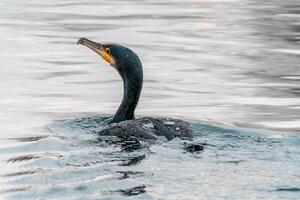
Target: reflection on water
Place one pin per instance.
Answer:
(228, 61)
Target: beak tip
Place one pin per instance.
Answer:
(80, 40)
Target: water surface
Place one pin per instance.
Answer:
(231, 67)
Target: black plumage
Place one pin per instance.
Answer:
(124, 124)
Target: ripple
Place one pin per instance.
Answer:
(20, 173)
(292, 77)
(18, 189)
(288, 51)
(62, 74)
(288, 189)
(22, 158)
(29, 139)
(133, 191)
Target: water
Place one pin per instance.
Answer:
(231, 67)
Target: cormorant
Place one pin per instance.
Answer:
(124, 124)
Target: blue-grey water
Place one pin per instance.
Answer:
(229, 67)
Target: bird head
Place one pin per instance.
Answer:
(124, 60)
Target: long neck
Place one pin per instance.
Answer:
(132, 90)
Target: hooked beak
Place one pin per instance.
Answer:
(99, 49)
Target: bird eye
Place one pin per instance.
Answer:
(107, 50)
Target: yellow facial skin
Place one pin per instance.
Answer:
(107, 56)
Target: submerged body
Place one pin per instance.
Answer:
(124, 124)
(148, 128)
